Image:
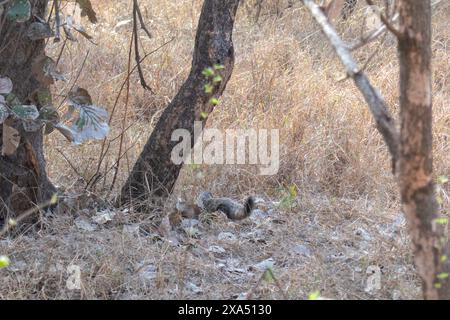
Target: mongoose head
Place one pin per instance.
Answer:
(202, 197)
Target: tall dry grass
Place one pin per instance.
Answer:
(285, 77)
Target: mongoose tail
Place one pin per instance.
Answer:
(232, 209)
(236, 211)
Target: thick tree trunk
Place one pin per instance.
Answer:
(154, 173)
(415, 157)
(23, 176)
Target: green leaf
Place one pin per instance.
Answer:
(314, 295)
(26, 112)
(208, 88)
(438, 285)
(12, 222)
(203, 115)
(442, 179)
(214, 101)
(54, 199)
(217, 79)
(268, 275)
(443, 258)
(194, 166)
(293, 191)
(208, 72)
(91, 123)
(442, 276)
(219, 67)
(19, 11)
(4, 262)
(441, 220)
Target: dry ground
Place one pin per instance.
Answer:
(343, 222)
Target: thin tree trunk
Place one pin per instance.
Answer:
(23, 176)
(154, 173)
(415, 157)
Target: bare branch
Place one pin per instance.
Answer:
(141, 20)
(386, 22)
(385, 123)
(371, 36)
(57, 21)
(136, 47)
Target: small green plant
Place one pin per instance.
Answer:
(269, 276)
(441, 220)
(289, 197)
(315, 295)
(212, 75)
(4, 262)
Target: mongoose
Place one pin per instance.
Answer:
(183, 210)
(187, 210)
(206, 202)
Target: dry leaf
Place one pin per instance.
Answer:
(11, 140)
(32, 160)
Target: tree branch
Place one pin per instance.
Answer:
(386, 22)
(136, 46)
(371, 36)
(385, 123)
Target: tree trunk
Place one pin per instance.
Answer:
(23, 176)
(415, 156)
(154, 173)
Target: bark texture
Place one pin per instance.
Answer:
(23, 177)
(154, 174)
(415, 152)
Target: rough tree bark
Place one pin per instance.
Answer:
(415, 153)
(23, 177)
(154, 173)
(411, 148)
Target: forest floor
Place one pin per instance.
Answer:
(356, 254)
